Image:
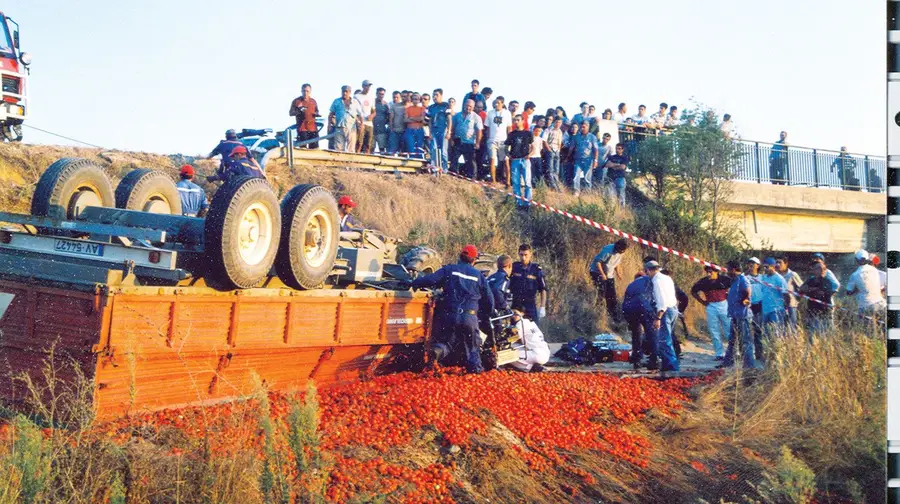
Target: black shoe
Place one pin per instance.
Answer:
(636, 365)
(652, 367)
(720, 358)
(537, 368)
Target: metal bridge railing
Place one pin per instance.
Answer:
(769, 163)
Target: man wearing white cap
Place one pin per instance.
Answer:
(666, 313)
(865, 285)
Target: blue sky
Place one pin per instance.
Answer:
(170, 76)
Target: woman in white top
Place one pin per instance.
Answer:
(536, 352)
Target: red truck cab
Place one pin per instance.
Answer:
(13, 76)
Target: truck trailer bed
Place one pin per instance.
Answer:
(147, 348)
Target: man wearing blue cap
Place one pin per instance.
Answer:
(775, 297)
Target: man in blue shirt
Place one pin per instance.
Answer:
(751, 273)
(774, 297)
(466, 135)
(475, 96)
(193, 197)
(779, 168)
(238, 165)
(346, 116)
(639, 309)
(463, 287)
(585, 156)
(525, 282)
(604, 269)
(740, 315)
(225, 147)
(439, 115)
(498, 283)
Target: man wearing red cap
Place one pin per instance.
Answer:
(193, 197)
(348, 222)
(464, 288)
(238, 164)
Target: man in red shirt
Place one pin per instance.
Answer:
(714, 288)
(305, 109)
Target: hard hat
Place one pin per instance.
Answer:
(187, 170)
(469, 251)
(753, 260)
(230, 134)
(240, 149)
(770, 261)
(861, 255)
(346, 201)
(817, 256)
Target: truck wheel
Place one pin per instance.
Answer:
(69, 185)
(241, 233)
(422, 260)
(150, 191)
(310, 227)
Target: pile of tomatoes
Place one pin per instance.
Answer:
(363, 424)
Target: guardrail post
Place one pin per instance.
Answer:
(815, 169)
(289, 148)
(758, 169)
(865, 175)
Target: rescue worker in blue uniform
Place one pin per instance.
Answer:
(225, 147)
(639, 310)
(525, 282)
(238, 164)
(193, 197)
(464, 287)
(498, 283)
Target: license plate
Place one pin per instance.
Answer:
(78, 247)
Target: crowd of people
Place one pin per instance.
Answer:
(744, 307)
(489, 138)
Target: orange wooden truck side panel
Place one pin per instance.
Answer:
(147, 348)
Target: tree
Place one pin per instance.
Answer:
(705, 161)
(655, 158)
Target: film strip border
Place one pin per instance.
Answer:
(648, 243)
(892, 228)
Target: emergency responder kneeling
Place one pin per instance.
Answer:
(238, 164)
(535, 352)
(463, 288)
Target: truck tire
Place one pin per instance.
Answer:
(422, 260)
(241, 234)
(310, 227)
(67, 186)
(150, 191)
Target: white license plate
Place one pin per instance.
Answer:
(78, 247)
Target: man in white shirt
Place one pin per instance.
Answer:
(536, 352)
(499, 122)
(621, 114)
(865, 285)
(666, 313)
(658, 120)
(727, 126)
(365, 142)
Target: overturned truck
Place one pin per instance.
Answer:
(150, 309)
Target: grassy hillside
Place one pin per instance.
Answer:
(809, 428)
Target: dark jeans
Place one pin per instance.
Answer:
(460, 337)
(740, 339)
(757, 330)
(537, 171)
(469, 167)
(606, 289)
(642, 335)
(308, 135)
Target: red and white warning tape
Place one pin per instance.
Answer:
(642, 241)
